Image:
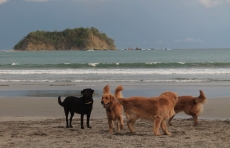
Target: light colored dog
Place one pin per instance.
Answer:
(190, 105)
(157, 109)
(113, 108)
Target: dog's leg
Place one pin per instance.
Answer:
(195, 117)
(88, 117)
(118, 126)
(70, 120)
(110, 122)
(169, 122)
(132, 119)
(120, 119)
(82, 118)
(130, 123)
(66, 116)
(164, 127)
(156, 125)
(67, 125)
(113, 126)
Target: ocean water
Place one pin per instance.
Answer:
(177, 66)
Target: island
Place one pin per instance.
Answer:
(68, 39)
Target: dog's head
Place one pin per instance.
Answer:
(106, 89)
(171, 95)
(87, 94)
(107, 100)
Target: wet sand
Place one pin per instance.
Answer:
(39, 122)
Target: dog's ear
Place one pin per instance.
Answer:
(176, 97)
(112, 99)
(106, 89)
(82, 92)
(92, 91)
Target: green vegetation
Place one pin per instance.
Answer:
(78, 38)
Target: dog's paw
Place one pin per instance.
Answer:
(111, 131)
(167, 133)
(122, 127)
(82, 127)
(157, 134)
(89, 126)
(133, 131)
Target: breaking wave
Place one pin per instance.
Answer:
(117, 65)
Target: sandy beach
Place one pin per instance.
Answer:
(30, 121)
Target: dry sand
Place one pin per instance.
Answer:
(52, 133)
(39, 122)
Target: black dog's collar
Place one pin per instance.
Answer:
(88, 102)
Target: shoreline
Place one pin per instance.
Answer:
(140, 89)
(41, 108)
(41, 100)
(127, 83)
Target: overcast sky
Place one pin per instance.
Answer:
(176, 24)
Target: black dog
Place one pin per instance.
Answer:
(82, 105)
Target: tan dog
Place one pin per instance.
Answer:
(190, 105)
(157, 109)
(113, 109)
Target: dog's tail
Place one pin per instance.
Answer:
(106, 89)
(201, 98)
(118, 94)
(59, 101)
(118, 91)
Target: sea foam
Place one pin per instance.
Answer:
(116, 71)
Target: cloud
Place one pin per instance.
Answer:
(92, 0)
(189, 40)
(88, 1)
(3, 1)
(209, 3)
(38, 0)
(212, 3)
(159, 42)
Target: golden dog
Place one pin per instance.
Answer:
(190, 105)
(157, 109)
(113, 109)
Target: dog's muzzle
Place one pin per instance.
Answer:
(105, 105)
